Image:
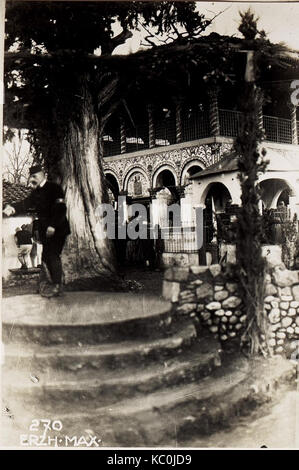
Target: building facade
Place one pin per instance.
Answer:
(193, 161)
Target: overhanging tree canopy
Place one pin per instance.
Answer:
(64, 94)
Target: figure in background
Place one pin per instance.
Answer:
(24, 243)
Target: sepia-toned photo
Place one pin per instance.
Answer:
(150, 247)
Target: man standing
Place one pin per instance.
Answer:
(47, 200)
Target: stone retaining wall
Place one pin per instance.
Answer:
(20, 280)
(211, 296)
(282, 307)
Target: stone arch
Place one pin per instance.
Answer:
(273, 188)
(138, 170)
(113, 182)
(218, 187)
(195, 165)
(160, 170)
(112, 186)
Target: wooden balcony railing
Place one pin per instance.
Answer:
(194, 127)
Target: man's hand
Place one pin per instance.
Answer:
(9, 210)
(50, 232)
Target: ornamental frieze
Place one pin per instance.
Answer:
(205, 154)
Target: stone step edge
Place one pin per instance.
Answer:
(224, 418)
(7, 323)
(223, 415)
(183, 333)
(138, 377)
(150, 402)
(159, 325)
(240, 401)
(180, 394)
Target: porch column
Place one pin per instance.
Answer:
(187, 210)
(151, 128)
(123, 143)
(260, 116)
(159, 207)
(293, 112)
(122, 208)
(178, 123)
(293, 205)
(214, 112)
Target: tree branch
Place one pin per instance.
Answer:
(107, 92)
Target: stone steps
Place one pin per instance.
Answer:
(100, 358)
(85, 317)
(85, 390)
(19, 278)
(124, 368)
(173, 415)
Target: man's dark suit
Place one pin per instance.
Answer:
(48, 203)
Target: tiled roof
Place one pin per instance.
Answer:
(14, 192)
(227, 164)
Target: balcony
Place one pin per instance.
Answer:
(195, 126)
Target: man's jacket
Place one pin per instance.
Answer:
(48, 203)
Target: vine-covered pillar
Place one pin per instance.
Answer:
(250, 262)
(214, 120)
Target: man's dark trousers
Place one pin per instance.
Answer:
(52, 249)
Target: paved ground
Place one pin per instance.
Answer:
(81, 308)
(275, 426)
(149, 281)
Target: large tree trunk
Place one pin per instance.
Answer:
(87, 254)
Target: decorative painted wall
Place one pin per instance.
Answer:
(177, 158)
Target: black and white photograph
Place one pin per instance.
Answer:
(150, 233)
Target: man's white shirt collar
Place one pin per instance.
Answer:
(43, 183)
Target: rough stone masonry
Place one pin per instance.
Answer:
(211, 296)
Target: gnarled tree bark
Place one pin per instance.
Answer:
(88, 253)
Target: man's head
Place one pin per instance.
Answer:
(18, 230)
(36, 176)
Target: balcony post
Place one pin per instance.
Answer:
(214, 112)
(260, 117)
(123, 143)
(293, 112)
(178, 123)
(151, 128)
